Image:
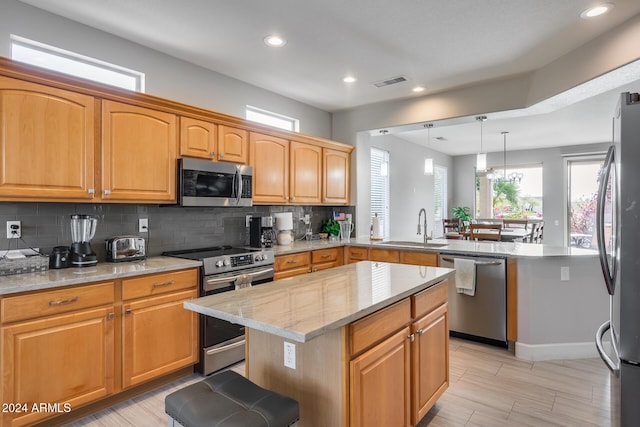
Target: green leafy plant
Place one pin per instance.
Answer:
(463, 214)
(331, 226)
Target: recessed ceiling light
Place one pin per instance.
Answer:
(418, 89)
(596, 10)
(275, 41)
(349, 79)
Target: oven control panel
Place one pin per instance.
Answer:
(240, 260)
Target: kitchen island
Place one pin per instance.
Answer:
(364, 344)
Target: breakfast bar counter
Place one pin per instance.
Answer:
(360, 344)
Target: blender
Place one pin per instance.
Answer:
(83, 228)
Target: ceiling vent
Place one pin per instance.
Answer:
(391, 81)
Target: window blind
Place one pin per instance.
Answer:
(380, 187)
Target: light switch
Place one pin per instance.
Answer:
(564, 273)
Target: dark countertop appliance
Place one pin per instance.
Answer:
(205, 183)
(83, 228)
(261, 232)
(225, 269)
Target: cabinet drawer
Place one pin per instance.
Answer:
(324, 255)
(427, 300)
(288, 262)
(384, 255)
(372, 329)
(356, 254)
(159, 283)
(291, 272)
(419, 258)
(324, 265)
(61, 300)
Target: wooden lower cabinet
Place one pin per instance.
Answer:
(355, 254)
(61, 360)
(380, 384)
(384, 255)
(158, 337)
(306, 262)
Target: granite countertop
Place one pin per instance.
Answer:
(103, 271)
(303, 307)
(460, 247)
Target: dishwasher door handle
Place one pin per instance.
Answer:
(475, 262)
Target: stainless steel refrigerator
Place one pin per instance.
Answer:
(618, 234)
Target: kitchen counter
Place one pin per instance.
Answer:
(303, 307)
(461, 247)
(103, 271)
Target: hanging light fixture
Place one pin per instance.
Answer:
(481, 159)
(513, 177)
(428, 162)
(384, 166)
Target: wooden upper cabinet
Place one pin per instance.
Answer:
(47, 142)
(269, 157)
(138, 154)
(197, 138)
(336, 179)
(233, 145)
(305, 173)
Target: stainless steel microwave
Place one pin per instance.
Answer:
(206, 183)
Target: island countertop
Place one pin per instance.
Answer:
(303, 307)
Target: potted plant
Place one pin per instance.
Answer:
(331, 226)
(464, 215)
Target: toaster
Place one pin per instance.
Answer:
(125, 248)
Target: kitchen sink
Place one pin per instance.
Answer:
(413, 244)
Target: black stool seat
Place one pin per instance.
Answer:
(227, 399)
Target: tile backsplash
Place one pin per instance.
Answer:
(45, 225)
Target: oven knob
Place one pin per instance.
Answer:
(219, 263)
(227, 262)
(259, 257)
(264, 257)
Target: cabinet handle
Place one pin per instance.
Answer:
(411, 337)
(420, 331)
(221, 155)
(325, 256)
(292, 261)
(110, 316)
(159, 285)
(107, 192)
(63, 302)
(292, 198)
(127, 311)
(213, 153)
(91, 191)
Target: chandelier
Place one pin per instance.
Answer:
(502, 176)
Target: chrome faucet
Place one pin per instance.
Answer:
(426, 237)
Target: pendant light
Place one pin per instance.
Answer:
(513, 177)
(481, 159)
(428, 162)
(384, 166)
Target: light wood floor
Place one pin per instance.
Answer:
(489, 387)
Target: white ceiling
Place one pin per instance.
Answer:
(435, 43)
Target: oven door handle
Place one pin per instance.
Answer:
(230, 280)
(259, 273)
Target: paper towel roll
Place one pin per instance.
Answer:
(375, 228)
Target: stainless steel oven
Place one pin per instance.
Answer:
(205, 183)
(226, 269)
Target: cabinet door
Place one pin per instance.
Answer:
(269, 157)
(60, 359)
(159, 336)
(336, 180)
(197, 138)
(430, 363)
(233, 145)
(380, 384)
(355, 254)
(138, 154)
(419, 258)
(47, 142)
(384, 255)
(306, 173)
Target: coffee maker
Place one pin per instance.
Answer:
(261, 232)
(83, 228)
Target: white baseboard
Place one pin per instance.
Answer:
(574, 350)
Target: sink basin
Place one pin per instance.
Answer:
(413, 244)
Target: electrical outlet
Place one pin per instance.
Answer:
(247, 220)
(289, 355)
(143, 225)
(14, 229)
(564, 273)
(306, 219)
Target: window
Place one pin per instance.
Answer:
(439, 199)
(64, 61)
(583, 174)
(270, 118)
(518, 196)
(380, 187)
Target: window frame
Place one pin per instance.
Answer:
(438, 229)
(376, 168)
(271, 115)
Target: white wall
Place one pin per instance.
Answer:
(553, 182)
(166, 76)
(410, 190)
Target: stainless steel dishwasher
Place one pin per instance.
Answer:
(482, 317)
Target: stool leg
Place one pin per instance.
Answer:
(172, 422)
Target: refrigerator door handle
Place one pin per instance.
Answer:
(609, 278)
(613, 366)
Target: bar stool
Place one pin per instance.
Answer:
(227, 399)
